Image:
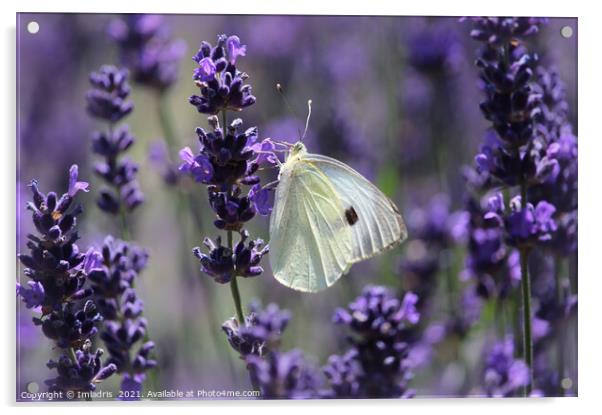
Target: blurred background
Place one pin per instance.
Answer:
(397, 98)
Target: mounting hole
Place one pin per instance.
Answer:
(33, 27)
(566, 32)
(566, 383)
(33, 387)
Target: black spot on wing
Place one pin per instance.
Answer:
(351, 216)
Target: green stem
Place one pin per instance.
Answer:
(123, 224)
(526, 292)
(234, 288)
(560, 351)
(73, 355)
(527, 338)
(169, 134)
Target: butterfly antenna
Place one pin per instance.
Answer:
(307, 120)
(289, 107)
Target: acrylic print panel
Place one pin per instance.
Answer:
(147, 181)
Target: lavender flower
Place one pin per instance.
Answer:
(58, 290)
(434, 49)
(511, 105)
(344, 374)
(490, 262)
(524, 226)
(71, 325)
(434, 230)
(223, 158)
(107, 101)
(276, 374)
(283, 375)
(468, 313)
(221, 84)
(113, 273)
(377, 365)
(228, 159)
(557, 145)
(498, 31)
(261, 332)
(82, 374)
(54, 260)
(145, 47)
(159, 156)
(32, 296)
(223, 263)
(511, 157)
(504, 375)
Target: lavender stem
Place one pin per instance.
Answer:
(168, 130)
(526, 291)
(560, 351)
(124, 231)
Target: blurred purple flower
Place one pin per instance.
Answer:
(113, 280)
(274, 36)
(504, 375)
(468, 313)
(434, 229)
(117, 171)
(557, 147)
(107, 99)
(497, 31)
(283, 375)
(378, 322)
(434, 49)
(490, 262)
(146, 49)
(132, 385)
(159, 157)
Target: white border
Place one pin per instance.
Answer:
(590, 197)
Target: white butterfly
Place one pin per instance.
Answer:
(326, 217)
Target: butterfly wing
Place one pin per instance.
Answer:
(310, 241)
(378, 225)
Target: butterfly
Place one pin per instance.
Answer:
(326, 217)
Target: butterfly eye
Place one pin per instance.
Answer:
(351, 216)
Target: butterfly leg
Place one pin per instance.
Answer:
(271, 185)
(283, 143)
